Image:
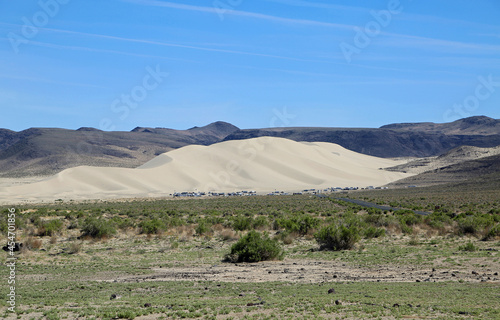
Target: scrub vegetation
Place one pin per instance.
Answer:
(259, 257)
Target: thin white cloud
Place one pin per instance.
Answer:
(488, 35)
(408, 41)
(238, 13)
(33, 79)
(166, 44)
(319, 5)
(79, 48)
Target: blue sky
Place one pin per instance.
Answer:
(118, 64)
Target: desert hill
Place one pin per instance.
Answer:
(478, 125)
(262, 164)
(452, 157)
(395, 140)
(46, 151)
(472, 172)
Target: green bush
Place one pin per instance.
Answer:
(300, 223)
(474, 224)
(372, 232)
(4, 227)
(202, 228)
(50, 228)
(468, 247)
(492, 233)
(260, 222)
(255, 247)
(337, 237)
(409, 218)
(98, 228)
(377, 220)
(152, 226)
(241, 223)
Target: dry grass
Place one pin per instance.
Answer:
(228, 235)
(32, 243)
(185, 233)
(74, 247)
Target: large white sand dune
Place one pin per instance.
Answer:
(262, 164)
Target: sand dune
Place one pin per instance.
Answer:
(262, 164)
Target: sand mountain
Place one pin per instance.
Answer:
(45, 151)
(262, 164)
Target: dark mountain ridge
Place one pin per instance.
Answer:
(44, 151)
(395, 140)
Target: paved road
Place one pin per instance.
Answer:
(374, 205)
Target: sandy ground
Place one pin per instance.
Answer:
(262, 164)
(311, 271)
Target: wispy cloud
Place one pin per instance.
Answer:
(44, 80)
(239, 13)
(158, 43)
(409, 41)
(89, 49)
(319, 5)
(487, 35)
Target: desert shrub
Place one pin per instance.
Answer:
(492, 233)
(122, 223)
(474, 224)
(255, 247)
(438, 219)
(3, 226)
(337, 237)
(413, 241)
(173, 221)
(202, 228)
(260, 222)
(73, 225)
(74, 247)
(228, 235)
(468, 247)
(287, 237)
(50, 228)
(32, 243)
(377, 220)
(98, 228)
(373, 232)
(152, 226)
(375, 211)
(299, 223)
(241, 223)
(408, 217)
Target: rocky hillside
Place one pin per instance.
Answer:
(395, 140)
(45, 151)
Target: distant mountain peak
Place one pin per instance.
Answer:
(476, 125)
(219, 126)
(87, 129)
(478, 120)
